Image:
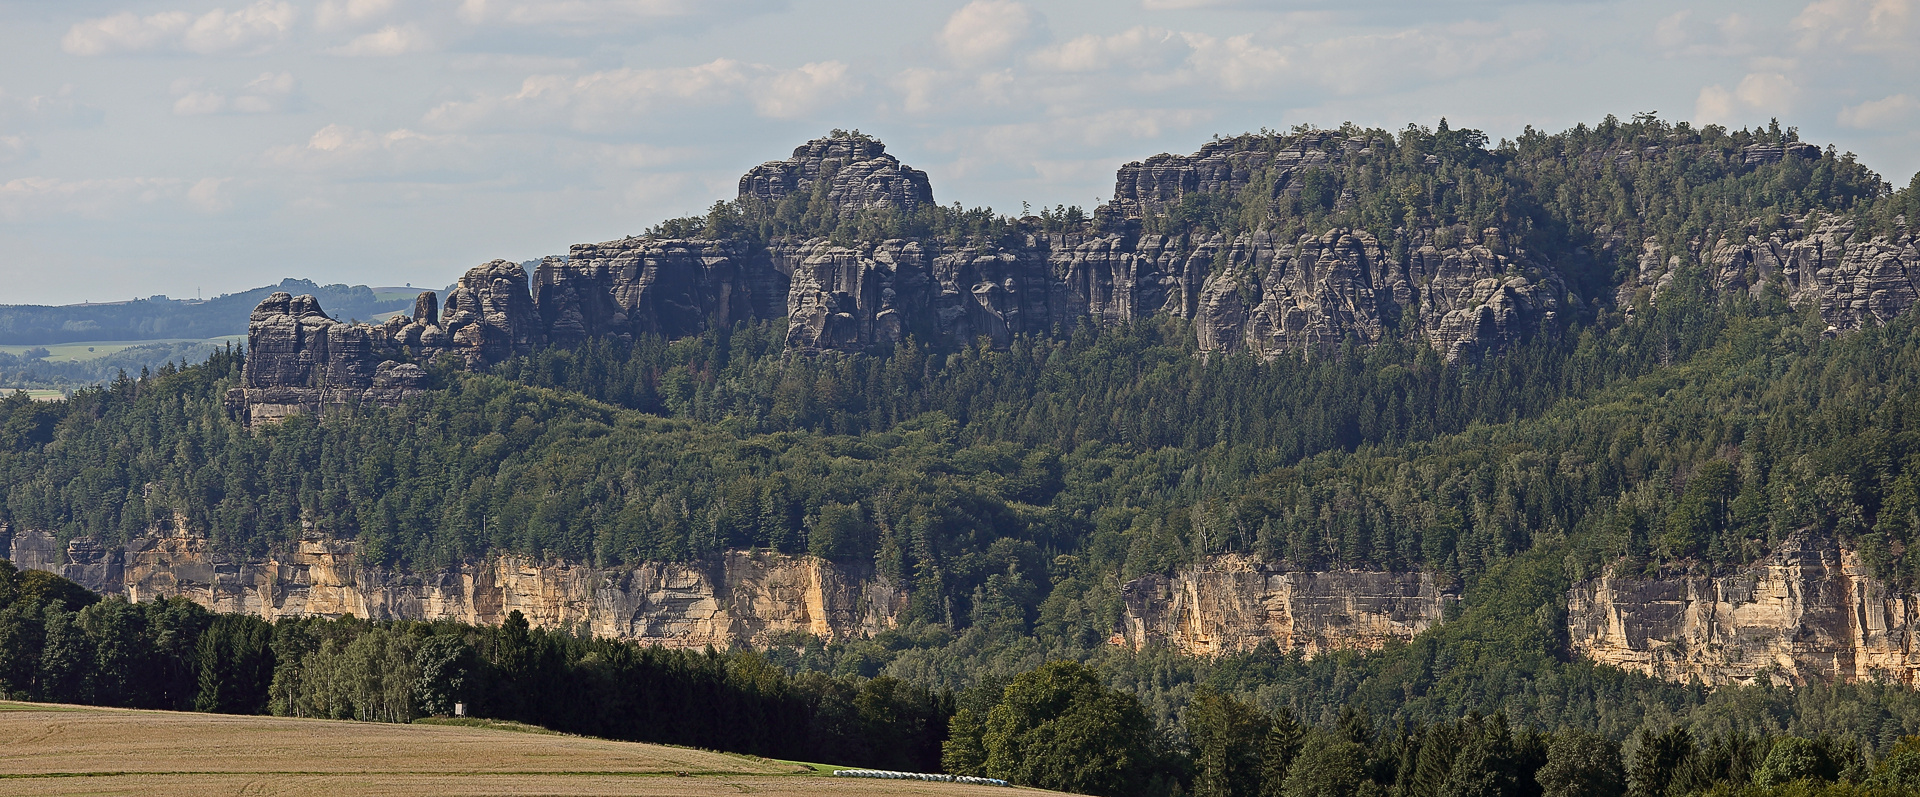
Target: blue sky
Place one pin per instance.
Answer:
(177, 146)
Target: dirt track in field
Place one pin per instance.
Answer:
(77, 750)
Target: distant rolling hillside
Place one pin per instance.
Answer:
(160, 318)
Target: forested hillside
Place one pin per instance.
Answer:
(1671, 418)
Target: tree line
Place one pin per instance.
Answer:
(61, 643)
(1061, 725)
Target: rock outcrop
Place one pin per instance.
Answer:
(300, 361)
(489, 315)
(1464, 298)
(740, 596)
(671, 287)
(1465, 292)
(851, 172)
(1228, 166)
(1231, 604)
(1810, 612)
(1819, 260)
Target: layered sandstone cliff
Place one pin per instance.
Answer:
(741, 596)
(1808, 613)
(300, 361)
(1231, 604)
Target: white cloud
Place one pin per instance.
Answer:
(248, 31)
(795, 93)
(335, 15)
(199, 103)
(1715, 104)
(1671, 31)
(1376, 61)
(986, 29)
(271, 92)
(1235, 63)
(388, 41)
(620, 99)
(1859, 25)
(37, 198)
(340, 151)
(1758, 94)
(209, 196)
(1886, 112)
(1139, 47)
(42, 110)
(592, 12)
(15, 149)
(1769, 91)
(1684, 34)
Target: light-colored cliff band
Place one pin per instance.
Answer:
(1810, 612)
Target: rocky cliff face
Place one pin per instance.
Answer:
(1231, 604)
(302, 361)
(1228, 166)
(1464, 292)
(489, 315)
(674, 288)
(1817, 259)
(738, 597)
(853, 173)
(1464, 298)
(1808, 613)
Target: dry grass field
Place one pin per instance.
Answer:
(73, 750)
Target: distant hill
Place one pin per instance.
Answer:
(159, 318)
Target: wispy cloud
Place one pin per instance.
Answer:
(271, 92)
(625, 99)
(251, 30)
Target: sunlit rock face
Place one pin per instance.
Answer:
(1808, 613)
(740, 596)
(1233, 604)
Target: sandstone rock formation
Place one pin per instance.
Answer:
(1808, 613)
(1231, 604)
(1226, 166)
(420, 333)
(672, 287)
(858, 174)
(489, 315)
(1465, 292)
(1463, 298)
(1816, 259)
(300, 361)
(738, 597)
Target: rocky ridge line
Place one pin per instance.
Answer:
(1463, 292)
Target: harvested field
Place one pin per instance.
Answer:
(70, 750)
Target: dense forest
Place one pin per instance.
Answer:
(1014, 490)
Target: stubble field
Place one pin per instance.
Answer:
(73, 750)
